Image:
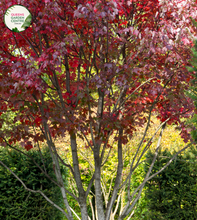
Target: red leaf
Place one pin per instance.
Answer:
(38, 121)
(28, 147)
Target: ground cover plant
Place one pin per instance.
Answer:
(96, 70)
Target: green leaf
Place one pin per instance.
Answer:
(27, 22)
(194, 22)
(15, 29)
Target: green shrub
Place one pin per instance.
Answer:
(172, 193)
(15, 201)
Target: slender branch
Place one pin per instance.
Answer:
(107, 41)
(40, 42)
(146, 129)
(67, 74)
(35, 191)
(104, 191)
(89, 185)
(87, 140)
(52, 99)
(149, 143)
(117, 204)
(75, 213)
(29, 42)
(122, 103)
(178, 159)
(166, 165)
(92, 136)
(41, 156)
(100, 110)
(106, 158)
(17, 45)
(104, 147)
(128, 208)
(32, 160)
(86, 158)
(67, 165)
(118, 177)
(92, 209)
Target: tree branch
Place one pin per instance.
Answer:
(35, 191)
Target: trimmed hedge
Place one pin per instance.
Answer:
(15, 201)
(173, 193)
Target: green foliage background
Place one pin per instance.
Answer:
(15, 201)
(172, 193)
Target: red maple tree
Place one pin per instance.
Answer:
(99, 68)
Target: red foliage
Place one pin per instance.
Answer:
(75, 48)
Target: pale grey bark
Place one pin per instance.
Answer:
(98, 190)
(118, 178)
(53, 152)
(128, 208)
(77, 176)
(58, 174)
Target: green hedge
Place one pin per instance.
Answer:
(15, 201)
(173, 193)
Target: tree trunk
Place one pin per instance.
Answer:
(98, 190)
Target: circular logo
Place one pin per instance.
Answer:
(17, 18)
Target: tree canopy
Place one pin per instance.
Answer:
(94, 70)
